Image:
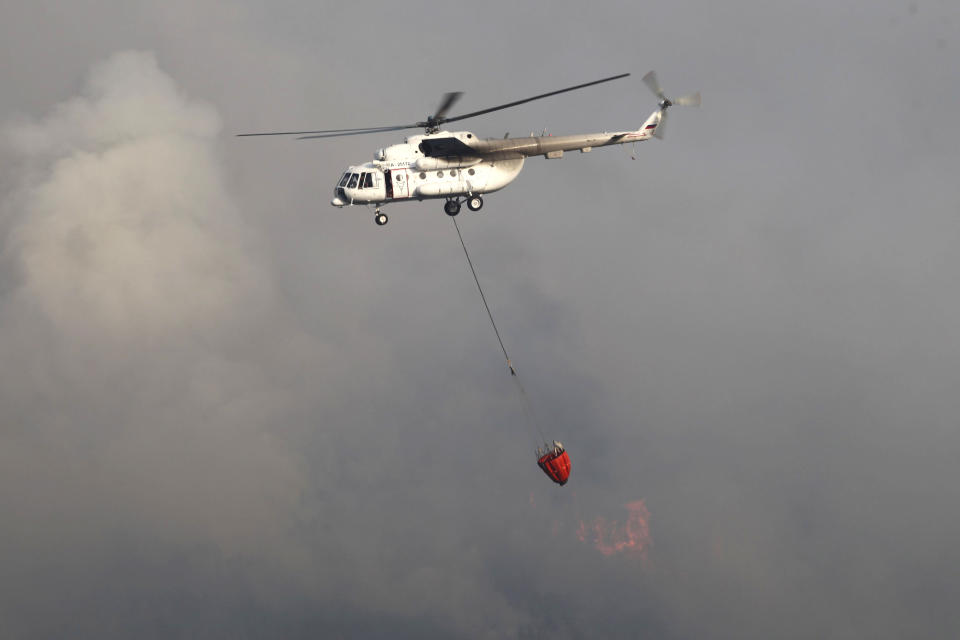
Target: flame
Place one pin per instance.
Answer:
(610, 537)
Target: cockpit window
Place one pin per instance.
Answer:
(368, 180)
(343, 180)
(363, 178)
(353, 181)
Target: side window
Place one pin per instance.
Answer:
(353, 181)
(368, 180)
(363, 179)
(343, 180)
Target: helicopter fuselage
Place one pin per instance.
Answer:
(456, 164)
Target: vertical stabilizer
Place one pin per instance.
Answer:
(649, 127)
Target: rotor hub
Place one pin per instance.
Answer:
(431, 124)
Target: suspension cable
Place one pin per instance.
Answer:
(483, 297)
(527, 408)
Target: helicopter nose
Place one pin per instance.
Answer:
(337, 202)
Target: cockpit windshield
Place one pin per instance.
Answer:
(361, 180)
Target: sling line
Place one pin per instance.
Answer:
(527, 408)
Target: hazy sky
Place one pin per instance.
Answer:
(229, 410)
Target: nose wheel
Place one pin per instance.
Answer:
(451, 207)
(380, 218)
(474, 203)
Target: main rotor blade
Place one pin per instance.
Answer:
(449, 99)
(360, 132)
(543, 95)
(345, 132)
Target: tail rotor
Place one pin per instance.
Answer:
(692, 100)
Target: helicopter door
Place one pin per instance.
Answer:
(388, 183)
(400, 178)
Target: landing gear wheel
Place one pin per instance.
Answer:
(380, 218)
(451, 207)
(474, 203)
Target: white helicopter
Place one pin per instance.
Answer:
(460, 167)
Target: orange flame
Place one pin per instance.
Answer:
(611, 537)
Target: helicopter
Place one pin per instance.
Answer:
(459, 167)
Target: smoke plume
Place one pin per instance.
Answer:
(142, 373)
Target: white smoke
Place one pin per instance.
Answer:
(139, 386)
(124, 228)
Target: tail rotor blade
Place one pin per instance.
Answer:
(658, 132)
(651, 81)
(692, 100)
